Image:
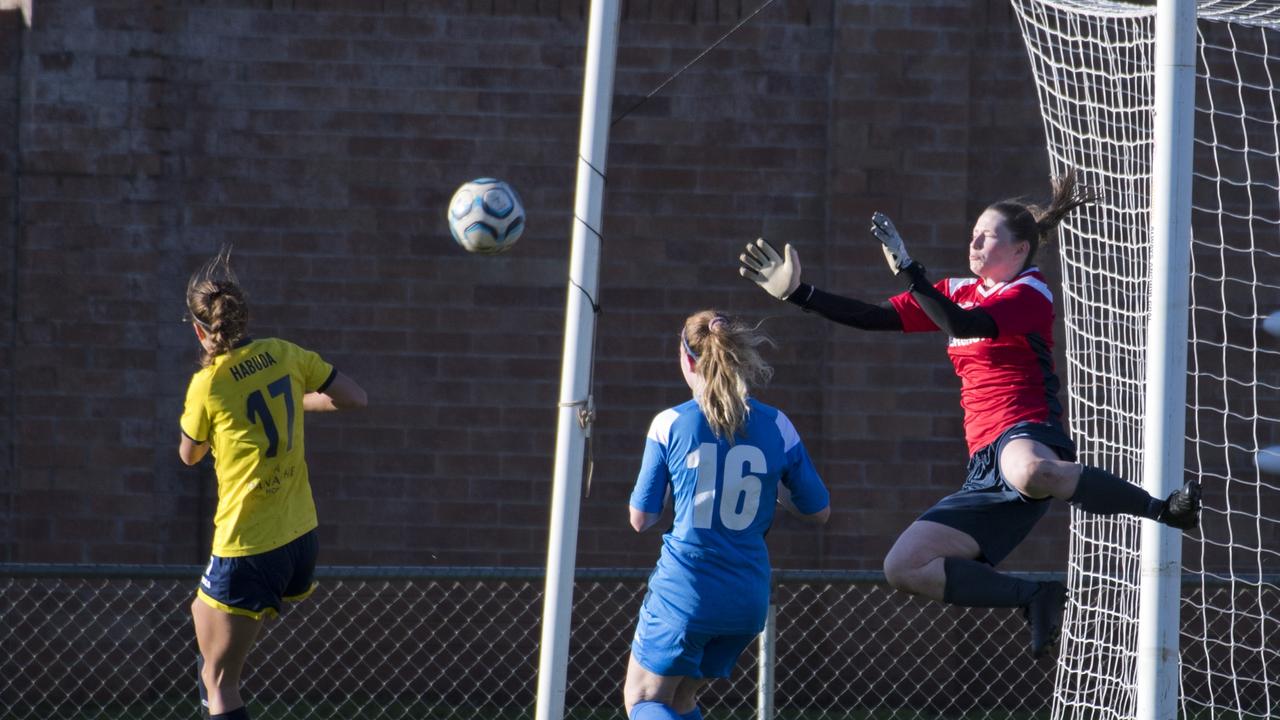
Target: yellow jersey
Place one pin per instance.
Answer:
(248, 404)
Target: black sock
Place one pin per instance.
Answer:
(974, 584)
(240, 713)
(1102, 493)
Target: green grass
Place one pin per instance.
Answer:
(381, 709)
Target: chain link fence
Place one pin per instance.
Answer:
(462, 644)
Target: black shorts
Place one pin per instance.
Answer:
(989, 509)
(256, 585)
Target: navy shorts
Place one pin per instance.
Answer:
(989, 509)
(665, 649)
(256, 585)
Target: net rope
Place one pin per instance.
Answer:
(1093, 69)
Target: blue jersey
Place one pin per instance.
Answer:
(713, 573)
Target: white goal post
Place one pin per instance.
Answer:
(1095, 66)
(23, 5)
(574, 419)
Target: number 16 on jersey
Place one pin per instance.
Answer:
(738, 499)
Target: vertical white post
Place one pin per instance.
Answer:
(579, 335)
(768, 661)
(1165, 428)
(23, 5)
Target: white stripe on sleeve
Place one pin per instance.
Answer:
(660, 428)
(790, 438)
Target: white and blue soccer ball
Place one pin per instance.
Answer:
(486, 216)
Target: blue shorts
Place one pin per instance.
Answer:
(256, 585)
(989, 509)
(665, 649)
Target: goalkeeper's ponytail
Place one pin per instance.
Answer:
(1035, 224)
(729, 365)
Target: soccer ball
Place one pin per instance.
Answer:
(485, 216)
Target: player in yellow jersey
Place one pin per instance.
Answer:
(246, 405)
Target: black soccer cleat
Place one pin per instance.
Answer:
(1182, 509)
(1044, 613)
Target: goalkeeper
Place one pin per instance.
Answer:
(1000, 324)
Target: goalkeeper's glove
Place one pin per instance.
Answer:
(763, 265)
(895, 251)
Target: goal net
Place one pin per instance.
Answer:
(1093, 68)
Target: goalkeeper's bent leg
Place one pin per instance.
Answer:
(974, 584)
(1102, 493)
(970, 583)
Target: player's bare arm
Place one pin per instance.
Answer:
(341, 394)
(190, 451)
(815, 518)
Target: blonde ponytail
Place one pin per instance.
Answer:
(729, 365)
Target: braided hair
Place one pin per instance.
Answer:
(217, 303)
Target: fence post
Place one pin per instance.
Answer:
(768, 656)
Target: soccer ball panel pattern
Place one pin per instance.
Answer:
(486, 216)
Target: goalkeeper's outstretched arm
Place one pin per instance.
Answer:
(779, 275)
(846, 310)
(952, 319)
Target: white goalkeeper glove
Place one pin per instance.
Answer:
(895, 251)
(763, 265)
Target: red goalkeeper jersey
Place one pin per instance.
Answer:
(1006, 379)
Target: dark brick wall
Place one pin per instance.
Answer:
(10, 52)
(324, 138)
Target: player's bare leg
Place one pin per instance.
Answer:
(225, 641)
(939, 562)
(916, 562)
(1035, 470)
(655, 694)
(685, 701)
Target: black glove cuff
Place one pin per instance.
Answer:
(801, 296)
(914, 275)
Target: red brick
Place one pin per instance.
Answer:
(135, 552)
(50, 552)
(323, 139)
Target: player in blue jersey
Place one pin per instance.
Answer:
(245, 405)
(999, 325)
(725, 460)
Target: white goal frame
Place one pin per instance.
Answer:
(1172, 114)
(1160, 561)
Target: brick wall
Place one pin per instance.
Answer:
(10, 49)
(324, 138)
